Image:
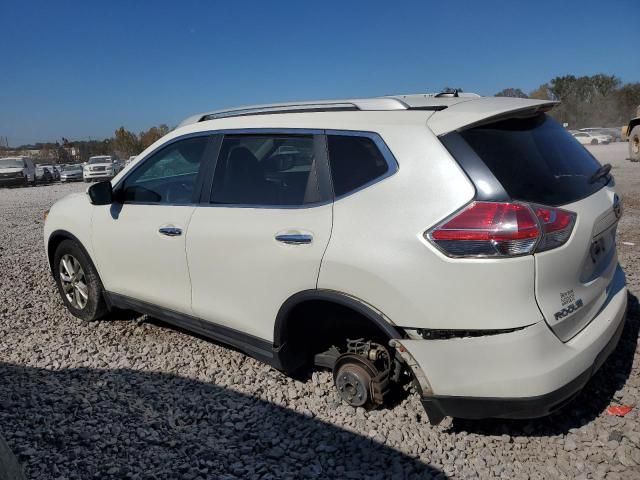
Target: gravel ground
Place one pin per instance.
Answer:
(133, 398)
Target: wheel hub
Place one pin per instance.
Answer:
(353, 386)
(73, 281)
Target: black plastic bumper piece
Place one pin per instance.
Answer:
(438, 407)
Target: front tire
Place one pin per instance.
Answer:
(78, 282)
(594, 142)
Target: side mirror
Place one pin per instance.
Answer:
(101, 193)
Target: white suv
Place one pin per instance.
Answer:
(100, 167)
(17, 171)
(465, 243)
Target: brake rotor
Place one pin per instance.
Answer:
(357, 379)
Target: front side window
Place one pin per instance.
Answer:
(168, 176)
(355, 161)
(266, 170)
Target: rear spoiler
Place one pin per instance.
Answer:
(464, 115)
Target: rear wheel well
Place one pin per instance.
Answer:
(315, 325)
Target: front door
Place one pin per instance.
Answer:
(139, 241)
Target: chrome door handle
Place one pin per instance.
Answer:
(295, 238)
(170, 231)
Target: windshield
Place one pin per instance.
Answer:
(11, 163)
(100, 160)
(536, 160)
(67, 168)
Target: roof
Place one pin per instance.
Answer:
(418, 101)
(448, 113)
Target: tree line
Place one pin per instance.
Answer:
(589, 101)
(123, 144)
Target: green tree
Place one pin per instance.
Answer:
(126, 143)
(511, 92)
(628, 102)
(543, 92)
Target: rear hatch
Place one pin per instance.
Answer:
(538, 162)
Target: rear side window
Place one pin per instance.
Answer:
(266, 170)
(536, 160)
(355, 161)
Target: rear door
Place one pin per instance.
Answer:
(538, 162)
(261, 229)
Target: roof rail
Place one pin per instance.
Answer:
(362, 104)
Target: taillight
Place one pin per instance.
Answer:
(556, 226)
(491, 229)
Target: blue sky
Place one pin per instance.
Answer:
(82, 69)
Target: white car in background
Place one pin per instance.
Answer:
(591, 138)
(100, 167)
(17, 171)
(464, 243)
(614, 133)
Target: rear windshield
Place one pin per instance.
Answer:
(536, 160)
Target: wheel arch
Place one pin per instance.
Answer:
(59, 236)
(287, 316)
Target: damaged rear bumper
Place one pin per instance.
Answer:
(438, 407)
(523, 374)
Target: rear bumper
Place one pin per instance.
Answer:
(530, 407)
(524, 374)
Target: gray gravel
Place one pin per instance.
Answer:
(132, 398)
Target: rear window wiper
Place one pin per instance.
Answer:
(603, 171)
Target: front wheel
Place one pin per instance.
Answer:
(594, 142)
(78, 282)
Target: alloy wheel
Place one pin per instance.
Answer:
(73, 281)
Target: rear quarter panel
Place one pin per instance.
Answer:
(377, 252)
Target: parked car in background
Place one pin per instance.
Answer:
(131, 159)
(55, 173)
(587, 138)
(17, 171)
(44, 173)
(100, 167)
(632, 132)
(71, 173)
(614, 133)
(321, 237)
